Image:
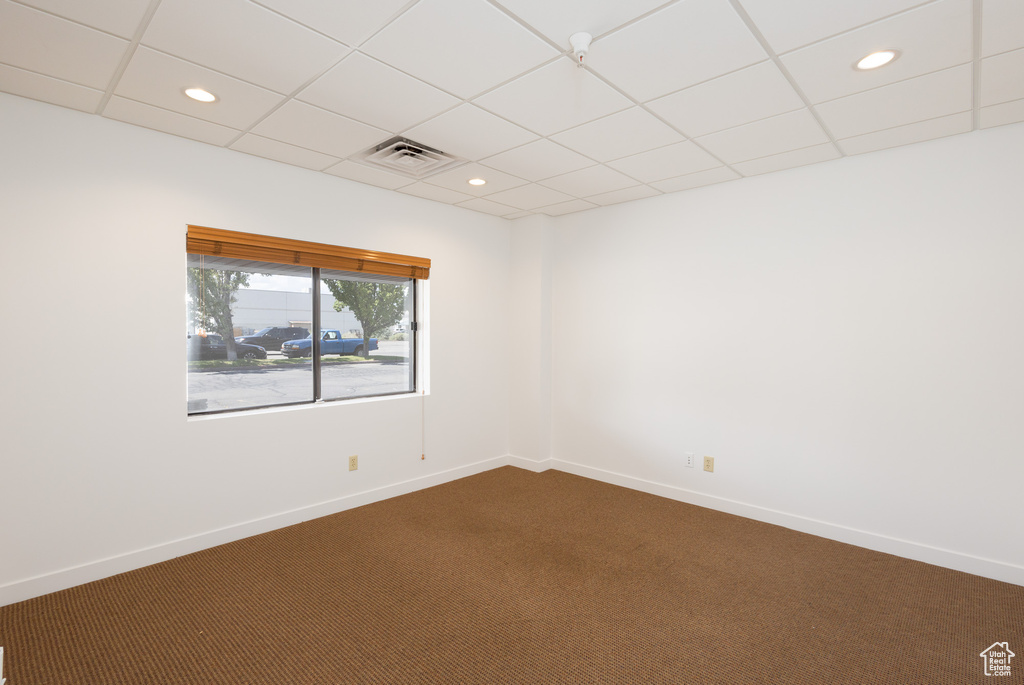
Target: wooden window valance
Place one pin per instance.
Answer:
(261, 248)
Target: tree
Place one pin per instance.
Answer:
(377, 306)
(213, 292)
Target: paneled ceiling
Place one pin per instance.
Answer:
(672, 95)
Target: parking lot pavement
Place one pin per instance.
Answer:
(238, 389)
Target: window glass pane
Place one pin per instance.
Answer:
(242, 316)
(372, 317)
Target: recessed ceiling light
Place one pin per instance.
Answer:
(476, 181)
(877, 59)
(200, 94)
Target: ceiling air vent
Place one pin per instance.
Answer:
(408, 158)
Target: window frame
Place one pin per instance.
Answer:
(218, 243)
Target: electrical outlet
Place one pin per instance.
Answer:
(709, 464)
(689, 459)
(353, 462)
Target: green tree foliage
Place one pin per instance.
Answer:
(377, 306)
(212, 292)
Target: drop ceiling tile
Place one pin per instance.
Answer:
(461, 46)
(488, 207)
(363, 89)
(364, 174)
(1002, 78)
(911, 133)
(530, 197)
(789, 24)
(674, 48)
(930, 38)
(1002, 26)
(538, 160)
(316, 129)
(242, 40)
(559, 20)
(349, 21)
(519, 215)
(567, 207)
(697, 180)
(898, 104)
(437, 193)
(457, 179)
(590, 181)
(666, 162)
(554, 98)
(132, 112)
(158, 79)
(40, 42)
(38, 87)
(1000, 115)
(470, 133)
(120, 17)
(780, 133)
(788, 160)
(624, 195)
(698, 59)
(619, 135)
(283, 152)
(738, 98)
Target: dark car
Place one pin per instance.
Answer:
(271, 338)
(214, 347)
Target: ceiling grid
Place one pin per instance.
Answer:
(673, 95)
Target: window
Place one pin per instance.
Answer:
(264, 333)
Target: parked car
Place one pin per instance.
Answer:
(214, 347)
(271, 338)
(331, 342)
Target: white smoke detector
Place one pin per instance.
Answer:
(580, 43)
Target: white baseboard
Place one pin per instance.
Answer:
(989, 568)
(70, 577)
(529, 464)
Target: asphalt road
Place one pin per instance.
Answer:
(265, 387)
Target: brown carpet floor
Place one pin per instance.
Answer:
(516, 577)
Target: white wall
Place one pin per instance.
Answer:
(530, 360)
(846, 339)
(101, 470)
